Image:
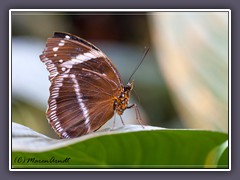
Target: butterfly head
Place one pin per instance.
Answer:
(129, 86)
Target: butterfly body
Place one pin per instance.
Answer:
(86, 88)
(121, 102)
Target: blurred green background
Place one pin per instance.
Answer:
(183, 82)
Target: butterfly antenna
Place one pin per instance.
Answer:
(144, 55)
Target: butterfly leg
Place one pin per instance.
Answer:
(122, 121)
(114, 120)
(138, 115)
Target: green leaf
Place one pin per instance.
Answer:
(130, 146)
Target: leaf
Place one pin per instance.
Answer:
(130, 146)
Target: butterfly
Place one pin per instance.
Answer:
(86, 88)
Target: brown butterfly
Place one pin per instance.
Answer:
(86, 88)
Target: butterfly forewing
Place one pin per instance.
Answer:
(84, 83)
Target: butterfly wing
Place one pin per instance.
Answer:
(84, 84)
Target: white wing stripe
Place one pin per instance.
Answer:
(81, 58)
(80, 101)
